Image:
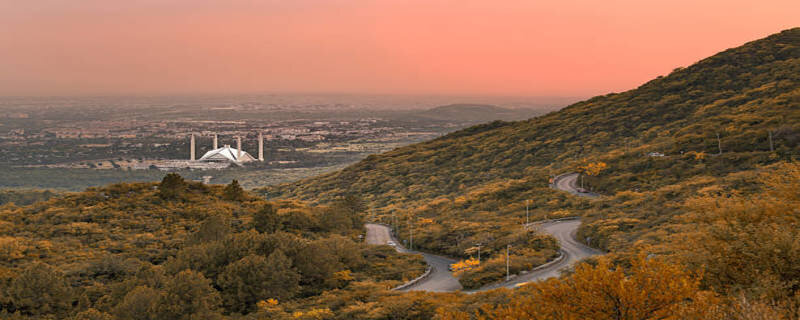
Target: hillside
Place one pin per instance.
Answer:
(183, 250)
(708, 228)
(713, 128)
(740, 94)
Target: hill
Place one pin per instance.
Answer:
(182, 250)
(741, 94)
(707, 130)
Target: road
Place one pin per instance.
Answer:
(569, 183)
(440, 279)
(572, 250)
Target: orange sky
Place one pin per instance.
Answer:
(500, 47)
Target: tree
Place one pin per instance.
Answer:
(93, 314)
(246, 282)
(336, 219)
(233, 192)
(284, 280)
(214, 228)
(354, 208)
(254, 278)
(267, 220)
(749, 244)
(40, 289)
(651, 289)
(139, 304)
(188, 295)
(593, 168)
(172, 186)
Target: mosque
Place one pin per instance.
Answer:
(226, 154)
(218, 158)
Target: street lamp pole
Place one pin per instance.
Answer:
(508, 272)
(527, 214)
(411, 231)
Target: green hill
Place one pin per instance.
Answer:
(181, 250)
(741, 94)
(471, 186)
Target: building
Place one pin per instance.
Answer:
(227, 154)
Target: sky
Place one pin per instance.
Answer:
(447, 47)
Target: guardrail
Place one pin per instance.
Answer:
(527, 226)
(561, 255)
(400, 248)
(556, 178)
(417, 279)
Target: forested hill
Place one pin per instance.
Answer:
(742, 95)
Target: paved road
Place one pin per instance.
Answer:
(378, 234)
(572, 250)
(569, 183)
(440, 279)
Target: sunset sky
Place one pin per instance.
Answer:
(500, 47)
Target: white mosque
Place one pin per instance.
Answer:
(227, 154)
(217, 158)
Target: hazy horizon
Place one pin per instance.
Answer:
(353, 102)
(518, 48)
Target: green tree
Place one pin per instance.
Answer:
(336, 219)
(267, 220)
(189, 295)
(172, 186)
(355, 207)
(233, 191)
(40, 289)
(139, 304)
(252, 279)
(93, 314)
(214, 228)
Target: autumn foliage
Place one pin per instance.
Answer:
(649, 289)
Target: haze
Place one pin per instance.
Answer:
(525, 48)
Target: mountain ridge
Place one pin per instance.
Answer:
(680, 112)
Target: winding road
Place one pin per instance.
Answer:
(442, 280)
(569, 183)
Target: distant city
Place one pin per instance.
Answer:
(300, 134)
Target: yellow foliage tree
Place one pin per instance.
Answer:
(593, 168)
(651, 289)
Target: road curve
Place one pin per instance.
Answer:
(572, 251)
(569, 183)
(440, 278)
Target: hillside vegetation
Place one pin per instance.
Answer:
(708, 230)
(183, 250)
(741, 94)
(712, 130)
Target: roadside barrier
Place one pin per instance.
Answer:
(412, 282)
